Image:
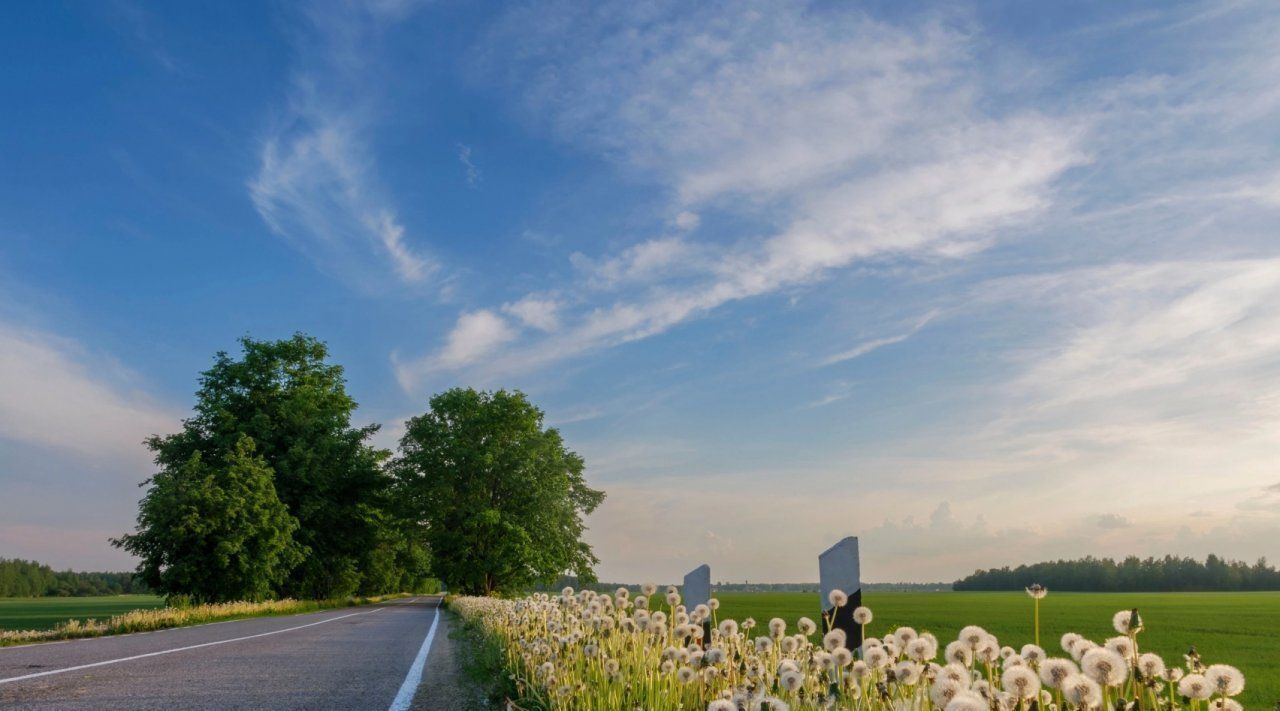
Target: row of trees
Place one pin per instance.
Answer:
(1133, 574)
(27, 578)
(269, 490)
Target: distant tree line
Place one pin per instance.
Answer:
(570, 581)
(269, 490)
(27, 578)
(1133, 574)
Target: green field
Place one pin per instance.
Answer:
(42, 613)
(1241, 629)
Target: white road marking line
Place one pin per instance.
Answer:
(180, 649)
(411, 680)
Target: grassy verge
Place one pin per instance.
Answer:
(168, 617)
(483, 662)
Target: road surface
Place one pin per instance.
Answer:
(393, 656)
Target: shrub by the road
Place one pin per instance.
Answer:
(591, 652)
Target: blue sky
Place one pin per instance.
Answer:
(983, 285)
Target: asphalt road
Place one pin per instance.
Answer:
(375, 658)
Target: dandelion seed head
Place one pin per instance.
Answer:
(1122, 621)
(777, 626)
(944, 690)
(1082, 691)
(1224, 679)
(685, 675)
(967, 701)
(648, 589)
(807, 626)
(1104, 666)
(862, 615)
(837, 598)
(1195, 686)
(833, 640)
(1054, 671)
(1151, 666)
(791, 680)
(907, 673)
(722, 705)
(1020, 681)
(1120, 645)
(1032, 653)
(1037, 591)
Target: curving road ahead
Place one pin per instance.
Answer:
(389, 657)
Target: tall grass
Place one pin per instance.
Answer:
(181, 614)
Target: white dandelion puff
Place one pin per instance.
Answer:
(1224, 679)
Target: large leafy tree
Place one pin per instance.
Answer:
(501, 497)
(293, 405)
(215, 530)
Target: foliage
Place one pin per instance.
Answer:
(292, 405)
(591, 652)
(503, 497)
(1168, 574)
(27, 578)
(215, 532)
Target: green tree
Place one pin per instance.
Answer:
(215, 531)
(501, 497)
(294, 406)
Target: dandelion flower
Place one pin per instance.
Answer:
(907, 673)
(1032, 653)
(1120, 645)
(967, 701)
(959, 652)
(833, 640)
(1126, 621)
(842, 657)
(728, 628)
(714, 655)
(862, 615)
(922, 649)
(807, 626)
(713, 603)
(777, 626)
(1020, 681)
(1195, 686)
(673, 599)
(1054, 671)
(876, 657)
(973, 635)
(1224, 679)
(1037, 591)
(1225, 705)
(722, 705)
(769, 703)
(944, 690)
(955, 672)
(837, 598)
(1069, 640)
(1081, 691)
(1105, 666)
(792, 680)
(648, 589)
(685, 675)
(764, 644)
(1151, 666)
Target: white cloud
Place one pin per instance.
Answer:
(537, 312)
(57, 395)
(877, 343)
(860, 140)
(470, 171)
(317, 184)
(475, 335)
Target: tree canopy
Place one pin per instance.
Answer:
(501, 496)
(273, 427)
(1133, 574)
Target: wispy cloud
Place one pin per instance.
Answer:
(317, 183)
(877, 343)
(470, 171)
(862, 140)
(56, 394)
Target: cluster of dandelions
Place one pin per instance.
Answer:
(591, 652)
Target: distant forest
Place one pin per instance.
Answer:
(1133, 574)
(573, 582)
(27, 578)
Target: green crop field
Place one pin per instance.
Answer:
(41, 613)
(1241, 629)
